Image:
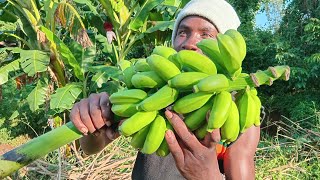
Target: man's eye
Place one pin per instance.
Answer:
(181, 33)
(206, 35)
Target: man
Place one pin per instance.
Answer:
(189, 158)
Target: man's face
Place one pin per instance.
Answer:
(192, 30)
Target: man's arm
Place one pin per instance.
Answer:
(239, 158)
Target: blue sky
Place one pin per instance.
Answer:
(261, 20)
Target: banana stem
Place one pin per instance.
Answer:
(36, 148)
(260, 78)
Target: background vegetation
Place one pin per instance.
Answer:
(56, 52)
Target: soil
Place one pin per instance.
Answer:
(5, 148)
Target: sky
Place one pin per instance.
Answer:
(261, 20)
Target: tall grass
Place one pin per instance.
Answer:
(292, 153)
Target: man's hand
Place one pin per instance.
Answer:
(194, 160)
(91, 115)
(239, 157)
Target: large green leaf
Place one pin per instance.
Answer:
(104, 73)
(37, 97)
(110, 13)
(65, 97)
(84, 56)
(65, 52)
(107, 48)
(26, 27)
(142, 15)
(161, 26)
(4, 71)
(33, 61)
(89, 4)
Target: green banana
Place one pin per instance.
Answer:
(211, 84)
(164, 51)
(136, 122)
(128, 96)
(186, 80)
(139, 137)
(230, 54)
(253, 91)
(201, 132)
(196, 61)
(191, 102)
(163, 150)
(159, 100)
(163, 67)
(148, 79)
(155, 135)
(141, 65)
(127, 75)
(220, 110)
(239, 40)
(210, 48)
(195, 119)
(124, 110)
(231, 128)
(258, 108)
(247, 110)
(175, 60)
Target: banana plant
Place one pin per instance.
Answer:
(146, 22)
(56, 49)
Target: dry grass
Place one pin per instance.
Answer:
(292, 153)
(114, 162)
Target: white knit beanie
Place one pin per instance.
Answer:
(219, 12)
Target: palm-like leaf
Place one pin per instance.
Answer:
(4, 71)
(142, 15)
(89, 4)
(37, 96)
(161, 26)
(85, 57)
(65, 97)
(65, 52)
(34, 61)
(104, 73)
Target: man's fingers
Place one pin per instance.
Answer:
(85, 117)
(211, 139)
(174, 148)
(76, 119)
(105, 108)
(182, 131)
(95, 111)
(111, 134)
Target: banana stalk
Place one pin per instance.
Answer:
(260, 78)
(36, 148)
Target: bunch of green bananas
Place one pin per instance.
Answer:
(193, 84)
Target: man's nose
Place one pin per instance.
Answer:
(191, 43)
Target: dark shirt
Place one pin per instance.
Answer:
(153, 167)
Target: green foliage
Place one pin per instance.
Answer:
(15, 114)
(65, 97)
(37, 96)
(296, 43)
(293, 153)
